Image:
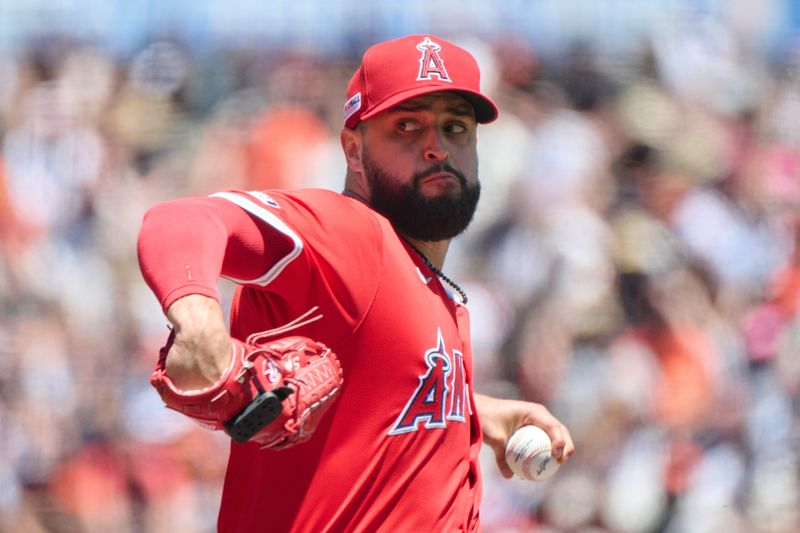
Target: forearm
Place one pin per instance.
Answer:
(495, 427)
(481, 401)
(201, 351)
(184, 247)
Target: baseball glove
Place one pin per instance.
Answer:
(273, 393)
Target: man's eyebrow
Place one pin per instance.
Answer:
(455, 108)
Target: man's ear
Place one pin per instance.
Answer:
(352, 143)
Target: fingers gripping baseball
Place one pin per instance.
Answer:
(502, 464)
(273, 393)
(501, 418)
(562, 445)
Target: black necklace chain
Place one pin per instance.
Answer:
(441, 274)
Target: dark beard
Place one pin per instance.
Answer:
(415, 215)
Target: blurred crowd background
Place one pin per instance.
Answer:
(634, 264)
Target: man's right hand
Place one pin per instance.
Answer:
(202, 348)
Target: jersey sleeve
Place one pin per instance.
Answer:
(185, 245)
(332, 261)
(261, 207)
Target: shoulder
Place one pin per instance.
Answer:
(322, 219)
(329, 213)
(315, 203)
(322, 201)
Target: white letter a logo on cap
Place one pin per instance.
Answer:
(430, 64)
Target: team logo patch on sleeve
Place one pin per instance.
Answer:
(441, 395)
(264, 198)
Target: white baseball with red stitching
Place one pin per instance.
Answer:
(528, 453)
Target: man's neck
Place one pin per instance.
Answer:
(435, 251)
(353, 194)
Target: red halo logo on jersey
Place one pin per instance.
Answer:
(431, 64)
(442, 394)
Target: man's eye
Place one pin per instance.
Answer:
(408, 125)
(456, 128)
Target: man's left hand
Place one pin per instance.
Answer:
(500, 418)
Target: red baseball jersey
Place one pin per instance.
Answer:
(398, 451)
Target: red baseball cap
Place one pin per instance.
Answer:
(395, 71)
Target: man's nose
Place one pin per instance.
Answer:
(435, 149)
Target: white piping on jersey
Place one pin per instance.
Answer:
(423, 278)
(275, 222)
(302, 320)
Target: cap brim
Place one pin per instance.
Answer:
(485, 110)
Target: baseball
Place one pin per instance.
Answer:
(528, 454)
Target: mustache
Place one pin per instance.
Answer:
(442, 167)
